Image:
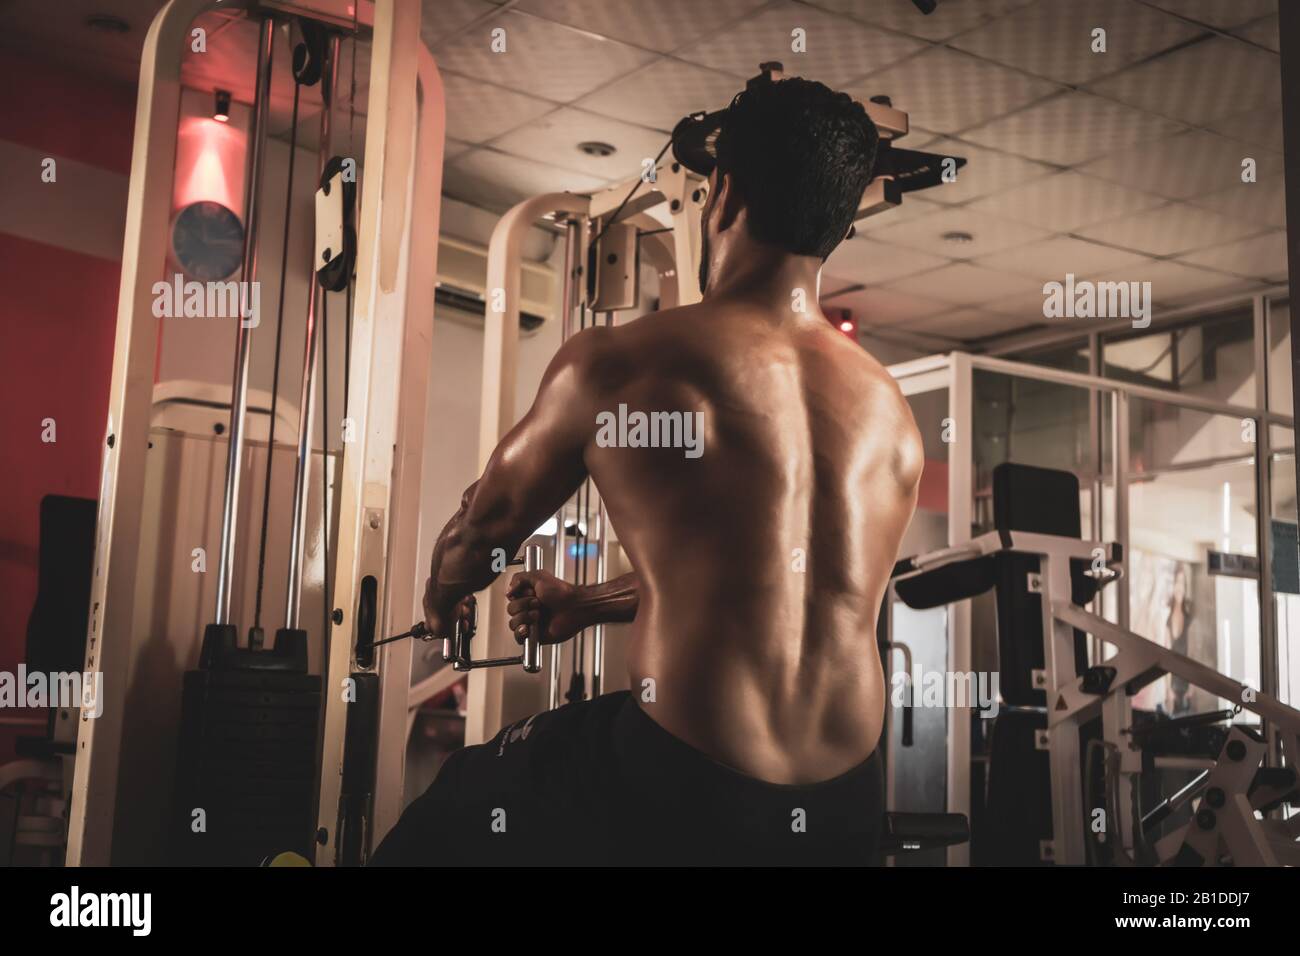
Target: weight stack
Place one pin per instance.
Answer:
(247, 760)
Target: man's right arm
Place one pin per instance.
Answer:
(561, 609)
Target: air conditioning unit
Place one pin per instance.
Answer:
(461, 291)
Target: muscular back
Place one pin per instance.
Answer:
(763, 560)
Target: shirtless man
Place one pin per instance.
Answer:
(758, 695)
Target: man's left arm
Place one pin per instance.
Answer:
(532, 472)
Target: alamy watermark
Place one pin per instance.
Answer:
(626, 429)
(975, 689)
(208, 300)
(57, 689)
(1085, 299)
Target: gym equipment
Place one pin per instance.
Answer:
(1066, 708)
(456, 649)
(976, 411)
(384, 235)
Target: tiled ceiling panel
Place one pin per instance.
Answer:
(555, 137)
(837, 50)
(543, 58)
(1174, 283)
(964, 284)
(499, 180)
(664, 25)
(934, 88)
(1198, 84)
(988, 234)
(986, 171)
(1070, 128)
(1263, 257)
(968, 324)
(1186, 164)
(1169, 230)
(478, 112)
(1262, 31)
(947, 19)
(1052, 259)
(1254, 128)
(664, 92)
(1064, 202)
(440, 19)
(1219, 13)
(1261, 202)
(1055, 39)
(878, 306)
(869, 262)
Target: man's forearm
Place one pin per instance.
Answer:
(610, 602)
(464, 560)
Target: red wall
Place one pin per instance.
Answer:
(58, 309)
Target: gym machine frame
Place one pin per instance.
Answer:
(389, 373)
(1226, 817)
(954, 372)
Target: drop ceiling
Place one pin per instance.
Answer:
(1123, 165)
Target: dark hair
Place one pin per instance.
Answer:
(801, 155)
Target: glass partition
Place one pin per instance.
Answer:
(1193, 545)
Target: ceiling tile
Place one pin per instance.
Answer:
(869, 262)
(1263, 31)
(1054, 39)
(1262, 202)
(439, 19)
(988, 233)
(1175, 283)
(662, 93)
(477, 112)
(947, 20)
(555, 137)
(1052, 259)
(910, 208)
(986, 171)
(838, 49)
(1255, 128)
(1263, 257)
(671, 23)
(498, 180)
(1200, 83)
(934, 89)
(1216, 13)
(970, 324)
(1070, 129)
(542, 58)
(878, 306)
(453, 148)
(1186, 164)
(1169, 230)
(964, 284)
(1064, 202)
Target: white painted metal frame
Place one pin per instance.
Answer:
(392, 329)
(122, 470)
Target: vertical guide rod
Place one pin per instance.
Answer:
(568, 298)
(602, 572)
(307, 401)
(244, 334)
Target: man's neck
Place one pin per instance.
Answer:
(759, 273)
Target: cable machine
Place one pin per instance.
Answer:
(269, 755)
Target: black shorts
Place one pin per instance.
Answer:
(600, 783)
